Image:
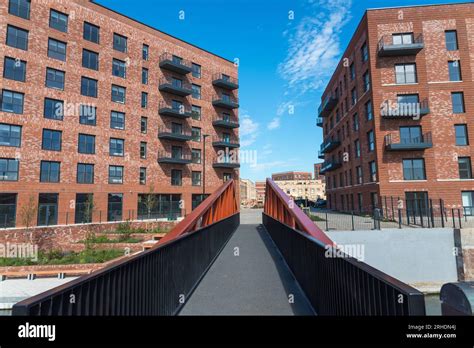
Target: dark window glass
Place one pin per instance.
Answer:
(14, 69)
(114, 207)
(355, 122)
(402, 39)
(119, 68)
(53, 109)
(373, 171)
(368, 110)
(9, 169)
(145, 76)
(366, 79)
(10, 135)
(89, 87)
(371, 140)
(145, 52)
(50, 171)
(48, 209)
(360, 175)
(357, 148)
(196, 178)
(143, 150)
(461, 134)
(414, 169)
(457, 99)
(410, 135)
(352, 71)
(196, 112)
(17, 38)
(144, 125)
(364, 52)
(85, 173)
(8, 209)
(55, 78)
(86, 144)
(144, 100)
(19, 8)
(84, 208)
(57, 49)
(51, 140)
(115, 174)
(196, 91)
(196, 156)
(176, 177)
(465, 171)
(405, 73)
(451, 40)
(118, 94)
(196, 70)
(90, 59)
(117, 120)
(142, 178)
(196, 133)
(116, 147)
(58, 20)
(120, 43)
(454, 67)
(88, 115)
(91, 32)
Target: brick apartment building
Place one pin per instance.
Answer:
(317, 172)
(96, 106)
(292, 176)
(396, 114)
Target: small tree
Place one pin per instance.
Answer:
(150, 202)
(89, 209)
(28, 212)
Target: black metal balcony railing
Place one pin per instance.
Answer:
(168, 157)
(225, 81)
(174, 134)
(319, 122)
(327, 106)
(231, 142)
(174, 110)
(409, 143)
(386, 47)
(330, 145)
(398, 110)
(329, 166)
(226, 162)
(225, 101)
(179, 65)
(321, 154)
(176, 87)
(229, 123)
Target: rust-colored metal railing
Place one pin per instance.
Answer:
(282, 208)
(218, 206)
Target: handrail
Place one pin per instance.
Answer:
(218, 206)
(280, 207)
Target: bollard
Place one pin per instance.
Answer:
(452, 214)
(352, 218)
(459, 217)
(399, 218)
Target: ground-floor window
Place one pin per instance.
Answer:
(48, 209)
(198, 199)
(417, 204)
(8, 209)
(360, 202)
(115, 207)
(84, 208)
(159, 206)
(468, 202)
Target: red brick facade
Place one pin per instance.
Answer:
(426, 25)
(32, 120)
(292, 176)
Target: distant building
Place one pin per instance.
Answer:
(312, 190)
(317, 172)
(260, 191)
(292, 176)
(248, 192)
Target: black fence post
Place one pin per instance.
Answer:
(441, 207)
(459, 218)
(393, 212)
(352, 218)
(399, 218)
(386, 207)
(452, 214)
(431, 213)
(327, 222)
(408, 216)
(100, 216)
(67, 218)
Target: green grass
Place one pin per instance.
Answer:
(65, 258)
(316, 218)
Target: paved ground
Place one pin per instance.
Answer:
(257, 282)
(337, 221)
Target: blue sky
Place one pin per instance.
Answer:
(287, 50)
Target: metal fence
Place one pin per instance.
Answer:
(341, 285)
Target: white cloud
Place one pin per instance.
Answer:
(274, 124)
(314, 45)
(249, 130)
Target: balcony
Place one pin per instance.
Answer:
(329, 166)
(231, 143)
(226, 101)
(225, 81)
(167, 133)
(327, 106)
(321, 155)
(175, 64)
(176, 87)
(174, 158)
(329, 145)
(225, 162)
(319, 122)
(386, 47)
(174, 110)
(397, 110)
(409, 144)
(225, 122)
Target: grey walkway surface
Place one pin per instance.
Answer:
(257, 281)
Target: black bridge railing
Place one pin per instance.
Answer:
(341, 285)
(155, 282)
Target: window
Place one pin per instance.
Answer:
(357, 148)
(143, 149)
(465, 171)
(114, 207)
(352, 72)
(58, 20)
(451, 37)
(454, 67)
(226, 177)
(12, 102)
(53, 109)
(196, 112)
(17, 38)
(50, 171)
(366, 79)
(370, 141)
(144, 100)
(90, 59)
(196, 156)
(142, 178)
(196, 68)
(196, 178)
(118, 94)
(88, 115)
(360, 175)
(19, 8)
(55, 78)
(89, 87)
(364, 52)
(145, 76)
(47, 209)
(116, 147)
(115, 174)
(86, 144)
(145, 52)
(176, 177)
(354, 96)
(373, 171)
(9, 169)
(91, 33)
(457, 99)
(143, 125)
(119, 68)
(402, 39)
(461, 134)
(57, 49)
(368, 110)
(14, 69)
(410, 135)
(84, 208)
(117, 120)
(85, 173)
(414, 169)
(196, 91)
(405, 73)
(120, 43)
(10, 135)
(8, 209)
(196, 133)
(51, 140)
(405, 101)
(355, 122)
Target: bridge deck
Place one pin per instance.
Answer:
(256, 282)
